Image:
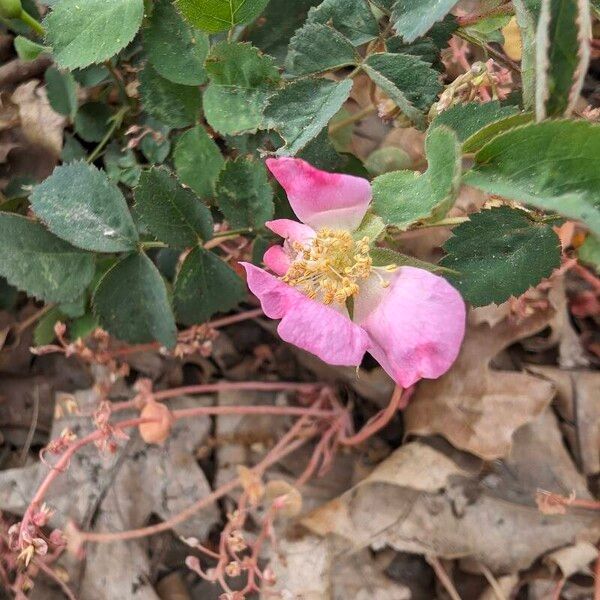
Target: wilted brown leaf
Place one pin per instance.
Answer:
(476, 408)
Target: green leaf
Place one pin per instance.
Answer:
(387, 159)
(175, 49)
(414, 18)
(121, 165)
(83, 33)
(155, 146)
(34, 260)
(301, 110)
(43, 332)
(205, 285)
(92, 121)
(244, 193)
(589, 252)
(480, 138)
(28, 50)
(352, 18)
(242, 80)
(80, 204)
(527, 13)
(62, 91)
(468, 119)
(220, 15)
(131, 303)
(552, 165)
(403, 198)
(500, 253)
(172, 214)
(563, 55)
(195, 147)
(277, 24)
(411, 83)
(317, 48)
(174, 104)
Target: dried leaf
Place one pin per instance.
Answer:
(476, 408)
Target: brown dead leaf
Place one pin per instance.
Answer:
(491, 519)
(577, 394)
(476, 408)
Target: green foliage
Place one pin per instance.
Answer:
(403, 198)
(589, 252)
(527, 13)
(62, 91)
(552, 165)
(174, 104)
(411, 83)
(352, 18)
(195, 147)
(317, 48)
(500, 253)
(480, 138)
(220, 15)
(92, 121)
(172, 214)
(205, 285)
(37, 262)
(301, 110)
(28, 50)
(244, 194)
(414, 18)
(467, 119)
(131, 302)
(563, 55)
(241, 82)
(175, 49)
(80, 205)
(83, 33)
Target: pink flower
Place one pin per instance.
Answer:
(410, 320)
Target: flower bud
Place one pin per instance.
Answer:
(158, 430)
(10, 9)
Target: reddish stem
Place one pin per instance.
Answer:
(224, 386)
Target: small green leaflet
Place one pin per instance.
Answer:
(83, 33)
(317, 48)
(220, 15)
(172, 214)
(301, 110)
(80, 204)
(411, 83)
(552, 165)
(62, 91)
(403, 198)
(131, 303)
(34, 260)
(500, 253)
(92, 121)
(562, 56)
(195, 147)
(205, 285)
(175, 49)
(174, 104)
(468, 119)
(28, 50)
(244, 193)
(589, 252)
(352, 18)
(242, 80)
(414, 18)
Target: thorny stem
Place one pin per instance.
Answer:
(286, 445)
(357, 116)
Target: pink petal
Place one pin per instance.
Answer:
(416, 325)
(308, 324)
(291, 230)
(277, 260)
(322, 199)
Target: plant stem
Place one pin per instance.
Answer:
(26, 18)
(357, 116)
(152, 244)
(444, 222)
(117, 120)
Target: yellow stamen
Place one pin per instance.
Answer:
(330, 267)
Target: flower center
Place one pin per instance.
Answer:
(330, 267)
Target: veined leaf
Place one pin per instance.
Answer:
(220, 15)
(414, 18)
(352, 18)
